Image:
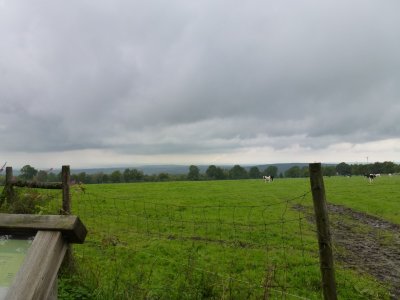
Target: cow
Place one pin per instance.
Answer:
(269, 178)
(370, 177)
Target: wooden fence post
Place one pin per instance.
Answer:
(8, 185)
(66, 196)
(68, 263)
(323, 230)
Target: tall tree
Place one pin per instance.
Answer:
(271, 171)
(163, 176)
(194, 173)
(343, 169)
(116, 176)
(254, 172)
(214, 172)
(238, 172)
(211, 172)
(28, 172)
(293, 172)
(41, 176)
(329, 170)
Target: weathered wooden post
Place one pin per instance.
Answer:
(66, 210)
(9, 175)
(8, 192)
(66, 196)
(323, 230)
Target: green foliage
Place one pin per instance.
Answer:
(70, 287)
(132, 175)
(254, 173)
(212, 173)
(238, 172)
(116, 177)
(271, 171)
(28, 201)
(28, 172)
(343, 169)
(194, 173)
(293, 172)
(328, 170)
(163, 176)
(215, 173)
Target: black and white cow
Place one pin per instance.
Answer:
(370, 177)
(268, 178)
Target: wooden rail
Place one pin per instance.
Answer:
(37, 277)
(71, 227)
(64, 185)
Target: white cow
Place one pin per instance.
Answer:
(268, 178)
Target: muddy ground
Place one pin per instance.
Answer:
(366, 243)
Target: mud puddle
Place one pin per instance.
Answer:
(365, 243)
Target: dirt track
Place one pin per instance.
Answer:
(367, 244)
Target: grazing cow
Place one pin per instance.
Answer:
(370, 177)
(268, 178)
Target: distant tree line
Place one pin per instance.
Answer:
(213, 172)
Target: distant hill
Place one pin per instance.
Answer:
(184, 169)
(282, 167)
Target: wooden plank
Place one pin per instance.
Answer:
(71, 227)
(37, 276)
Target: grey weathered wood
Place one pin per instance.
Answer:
(323, 230)
(54, 291)
(9, 175)
(8, 189)
(37, 276)
(66, 210)
(66, 196)
(70, 226)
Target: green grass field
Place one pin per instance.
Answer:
(381, 198)
(240, 239)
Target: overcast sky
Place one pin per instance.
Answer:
(124, 83)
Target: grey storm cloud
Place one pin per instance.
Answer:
(197, 76)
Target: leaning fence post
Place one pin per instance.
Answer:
(323, 230)
(66, 196)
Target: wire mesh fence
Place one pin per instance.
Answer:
(161, 250)
(206, 247)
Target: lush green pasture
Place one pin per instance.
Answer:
(239, 239)
(380, 198)
(242, 239)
